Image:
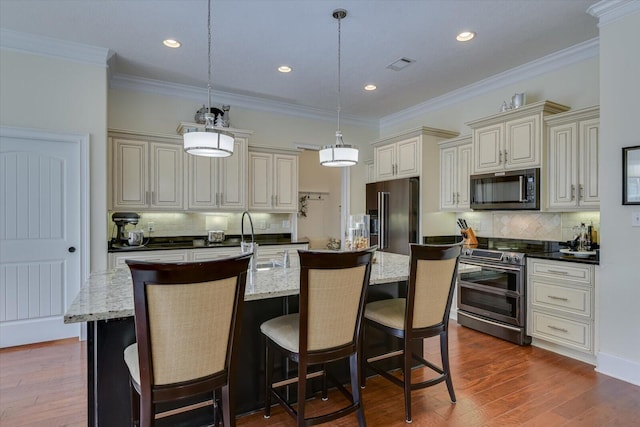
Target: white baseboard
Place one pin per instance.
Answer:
(617, 367)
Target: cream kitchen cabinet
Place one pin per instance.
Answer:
(561, 307)
(455, 168)
(273, 180)
(209, 254)
(573, 160)
(513, 139)
(117, 259)
(218, 183)
(398, 160)
(146, 172)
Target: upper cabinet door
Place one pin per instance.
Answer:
(233, 178)
(488, 147)
(130, 175)
(523, 143)
(448, 178)
(202, 180)
(589, 172)
(385, 161)
(464, 165)
(563, 166)
(408, 155)
(260, 173)
(285, 182)
(166, 176)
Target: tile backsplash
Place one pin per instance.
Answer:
(169, 224)
(557, 226)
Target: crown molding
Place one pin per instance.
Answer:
(552, 62)
(54, 48)
(608, 11)
(158, 87)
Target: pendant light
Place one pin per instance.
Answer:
(211, 142)
(339, 154)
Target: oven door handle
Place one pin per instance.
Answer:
(488, 265)
(488, 289)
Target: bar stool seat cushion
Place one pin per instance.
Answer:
(131, 359)
(284, 331)
(388, 312)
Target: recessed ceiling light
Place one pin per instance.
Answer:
(172, 43)
(370, 87)
(284, 69)
(465, 36)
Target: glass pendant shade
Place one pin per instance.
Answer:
(210, 142)
(338, 155)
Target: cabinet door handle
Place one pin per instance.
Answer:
(564, 273)
(217, 196)
(555, 328)
(276, 199)
(581, 192)
(557, 298)
(499, 157)
(153, 197)
(458, 197)
(147, 198)
(505, 156)
(573, 192)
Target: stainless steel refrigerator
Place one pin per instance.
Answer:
(394, 210)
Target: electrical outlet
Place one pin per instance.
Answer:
(150, 226)
(635, 219)
(286, 224)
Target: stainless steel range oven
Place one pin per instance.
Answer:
(491, 297)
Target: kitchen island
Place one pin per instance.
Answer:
(105, 303)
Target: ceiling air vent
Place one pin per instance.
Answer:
(400, 64)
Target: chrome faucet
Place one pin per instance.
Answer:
(249, 247)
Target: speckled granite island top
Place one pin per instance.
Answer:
(109, 295)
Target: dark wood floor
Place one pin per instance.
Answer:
(497, 384)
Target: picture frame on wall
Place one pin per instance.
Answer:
(631, 175)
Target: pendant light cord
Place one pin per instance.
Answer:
(339, 68)
(209, 55)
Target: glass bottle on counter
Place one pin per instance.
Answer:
(357, 233)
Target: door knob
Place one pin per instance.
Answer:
(72, 249)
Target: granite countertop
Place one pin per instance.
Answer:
(109, 295)
(200, 242)
(559, 256)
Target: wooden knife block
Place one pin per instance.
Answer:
(469, 237)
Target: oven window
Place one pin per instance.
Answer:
(488, 304)
(506, 280)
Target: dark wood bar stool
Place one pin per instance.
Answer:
(187, 320)
(423, 314)
(333, 288)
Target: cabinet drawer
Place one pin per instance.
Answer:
(214, 253)
(563, 331)
(565, 298)
(562, 270)
(119, 260)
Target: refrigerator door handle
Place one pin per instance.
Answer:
(381, 220)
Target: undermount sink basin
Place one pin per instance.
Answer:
(268, 265)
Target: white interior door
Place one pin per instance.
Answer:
(40, 237)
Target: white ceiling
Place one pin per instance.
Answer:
(251, 38)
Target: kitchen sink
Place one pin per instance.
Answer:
(268, 265)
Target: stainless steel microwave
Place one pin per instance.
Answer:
(509, 190)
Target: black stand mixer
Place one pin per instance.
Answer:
(121, 219)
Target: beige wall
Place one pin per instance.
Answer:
(323, 210)
(65, 96)
(619, 284)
